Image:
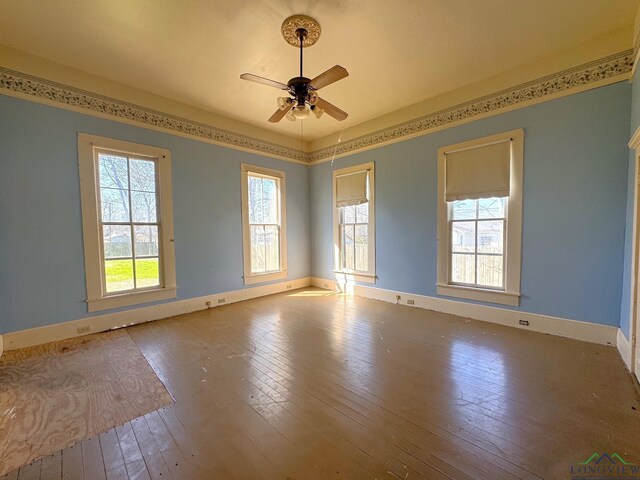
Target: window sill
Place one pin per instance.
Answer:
(480, 294)
(264, 277)
(351, 277)
(132, 298)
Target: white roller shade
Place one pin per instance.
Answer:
(351, 189)
(481, 172)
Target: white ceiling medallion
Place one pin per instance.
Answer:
(293, 23)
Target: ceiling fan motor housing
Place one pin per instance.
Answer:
(299, 88)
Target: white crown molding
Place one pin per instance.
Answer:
(36, 88)
(593, 74)
(636, 43)
(636, 49)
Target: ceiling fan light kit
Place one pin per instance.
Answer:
(301, 31)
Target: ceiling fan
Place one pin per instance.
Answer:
(302, 31)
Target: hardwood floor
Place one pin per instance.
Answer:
(308, 385)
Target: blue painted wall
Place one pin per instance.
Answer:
(575, 196)
(575, 208)
(625, 306)
(41, 256)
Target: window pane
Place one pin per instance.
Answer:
(272, 248)
(115, 205)
(146, 241)
(362, 213)
(490, 236)
(463, 209)
(349, 214)
(118, 275)
(362, 250)
(147, 272)
(257, 249)
(462, 268)
(255, 200)
(491, 208)
(463, 236)
(143, 175)
(347, 247)
(113, 171)
(117, 241)
(270, 200)
(490, 271)
(144, 207)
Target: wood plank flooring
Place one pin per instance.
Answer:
(310, 385)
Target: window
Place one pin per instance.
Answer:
(354, 222)
(127, 222)
(477, 242)
(263, 224)
(480, 218)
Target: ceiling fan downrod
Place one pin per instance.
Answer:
(301, 33)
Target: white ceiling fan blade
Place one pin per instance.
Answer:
(279, 114)
(331, 109)
(330, 76)
(265, 81)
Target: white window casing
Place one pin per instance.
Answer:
(278, 225)
(479, 169)
(354, 187)
(90, 147)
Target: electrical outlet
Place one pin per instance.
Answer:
(524, 322)
(208, 304)
(221, 300)
(85, 329)
(410, 301)
(288, 287)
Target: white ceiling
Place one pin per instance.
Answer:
(397, 52)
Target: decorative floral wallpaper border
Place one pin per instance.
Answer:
(57, 92)
(602, 69)
(596, 71)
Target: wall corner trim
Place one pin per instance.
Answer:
(1, 346)
(635, 139)
(624, 348)
(109, 321)
(562, 327)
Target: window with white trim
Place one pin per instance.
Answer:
(480, 218)
(263, 224)
(127, 222)
(354, 222)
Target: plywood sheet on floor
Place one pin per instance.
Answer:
(55, 395)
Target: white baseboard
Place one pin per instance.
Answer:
(575, 329)
(101, 323)
(624, 347)
(578, 330)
